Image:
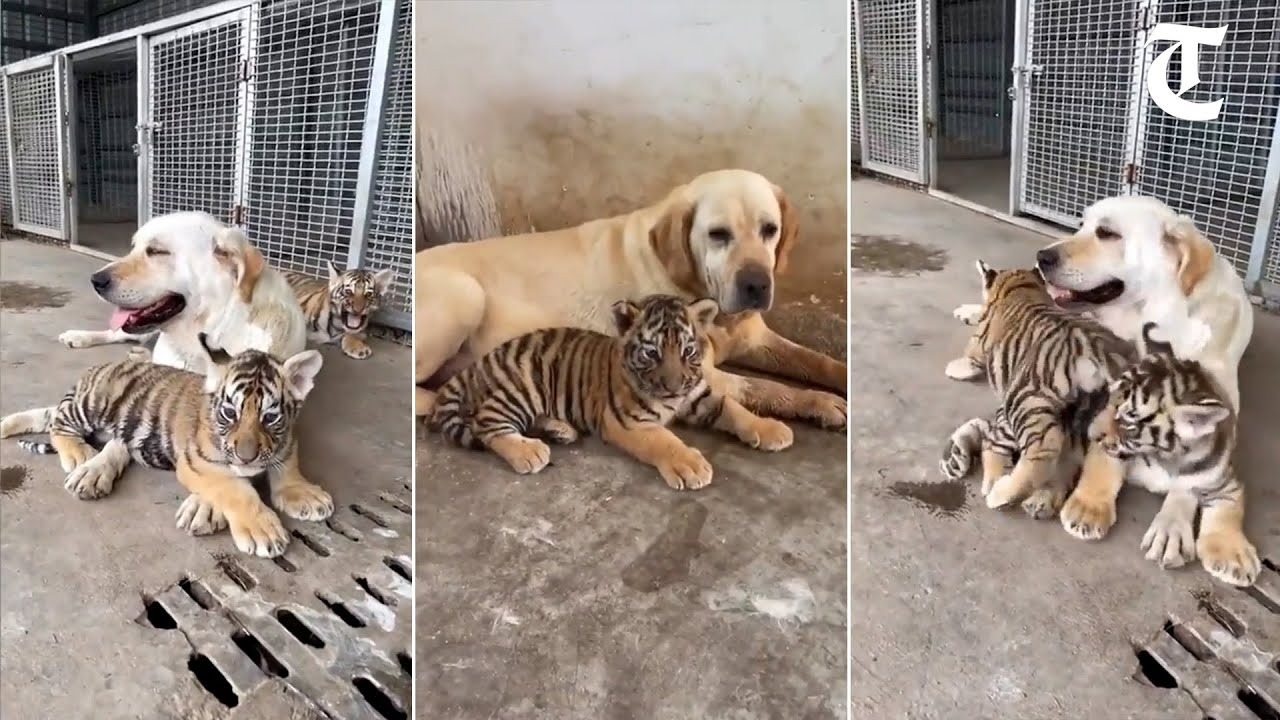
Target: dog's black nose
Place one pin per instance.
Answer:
(101, 280)
(1047, 259)
(755, 287)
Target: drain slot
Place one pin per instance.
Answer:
(311, 543)
(1222, 616)
(155, 615)
(297, 628)
(1188, 640)
(1266, 602)
(339, 608)
(406, 663)
(236, 574)
(374, 592)
(398, 568)
(253, 648)
(379, 700)
(370, 515)
(212, 679)
(395, 502)
(343, 529)
(1154, 673)
(198, 593)
(1258, 705)
(284, 564)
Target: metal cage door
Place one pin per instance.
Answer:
(195, 117)
(890, 39)
(1074, 84)
(38, 149)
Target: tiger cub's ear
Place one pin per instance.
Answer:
(382, 280)
(335, 277)
(216, 365)
(625, 313)
(987, 272)
(300, 373)
(704, 312)
(1196, 421)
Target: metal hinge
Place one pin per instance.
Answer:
(245, 70)
(237, 214)
(929, 127)
(70, 187)
(1146, 17)
(1130, 173)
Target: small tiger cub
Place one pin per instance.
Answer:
(1170, 428)
(1039, 359)
(339, 310)
(217, 431)
(557, 383)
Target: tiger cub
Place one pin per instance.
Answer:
(339, 310)
(557, 383)
(217, 431)
(1170, 428)
(1040, 359)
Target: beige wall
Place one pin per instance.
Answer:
(581, 109)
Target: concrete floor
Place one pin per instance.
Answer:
(984, 181)
(75, 575)
(964, 612)
(591, 590)
(110, 237)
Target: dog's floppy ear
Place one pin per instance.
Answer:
(788, 232)
(1195, 253)
(232, 243)
(671, 242)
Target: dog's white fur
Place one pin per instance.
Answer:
(1172, 276)
(232, 294)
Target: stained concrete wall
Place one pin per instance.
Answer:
(577, 110)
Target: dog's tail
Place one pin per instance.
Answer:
(29, 421)
(452, 414)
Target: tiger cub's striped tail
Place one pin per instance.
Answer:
(452, 418)
(36, 420)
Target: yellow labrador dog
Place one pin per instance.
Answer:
(724, 235)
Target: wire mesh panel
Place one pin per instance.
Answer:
(1214, 171)
(195, 122)
(312, 76)
(389, 241)
(892, 87)
(6, 198)
(1271, 268)
(37, 143)
(1076, 105)
(116, 15)
(106, 119)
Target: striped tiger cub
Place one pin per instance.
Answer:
(1040, 359)
(1170, 428)
(217, 431)
(339, 310)
(555, 384)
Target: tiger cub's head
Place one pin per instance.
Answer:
(1167, 408)
(354, 295)
(254, 402)
(664, 340)
(998, 285)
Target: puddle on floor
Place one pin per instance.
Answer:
(943, 499)
(21, 296)
(12, 477)
(894, 256)
(667, 559)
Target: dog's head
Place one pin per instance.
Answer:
(726, 235)
(1127, 248)
(181, 263)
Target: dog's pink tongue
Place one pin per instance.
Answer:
(118, 318)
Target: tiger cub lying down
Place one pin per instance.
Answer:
(217, 431)
(338, 310)
(1169, 427)
(1042, 361)
(557, 383)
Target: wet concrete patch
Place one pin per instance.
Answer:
(21, 296)
(667, 559)
(943, 499)
(12, 478)
(893, 255)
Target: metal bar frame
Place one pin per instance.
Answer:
(374, 108)
(11, 168)
(921, 176)
(1266, 213)
(70, 145)
(143, 127)
(1018, 121)
(930, 92)
(31, 65)
(1139, 101)
(862, 84)
(244, 106)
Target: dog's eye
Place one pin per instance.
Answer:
(768, 230)
(1105, 233)
(155, 251)
(720, 235)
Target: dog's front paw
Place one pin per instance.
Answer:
(1170, 540)
(91, 480)
(76, 339)
(258, 532)
(1196, 336)
(686, 470)
(303, 501)
(830, 412)
(1086, 518)
(963, 369)
(196, 516)
(1230, 557)
(969, 313)
(1005, 491)
(767, 434)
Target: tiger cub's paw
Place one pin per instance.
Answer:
(686, 470)
(259, 532)
(969, 313)
(1004, 492)
(554, 430)
(1170, 540)
(196, 516)
(1087, 518)
(1044, 503)
(962, 369)
(524, 455)
(1230, 557)
(303, 501)
(767, 434)
(829, 411)
(91, 479)
(355, 348)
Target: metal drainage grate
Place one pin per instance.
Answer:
(1225, 655)
(331, 618)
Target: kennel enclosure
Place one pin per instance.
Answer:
(1037, 108)
(289, 118)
